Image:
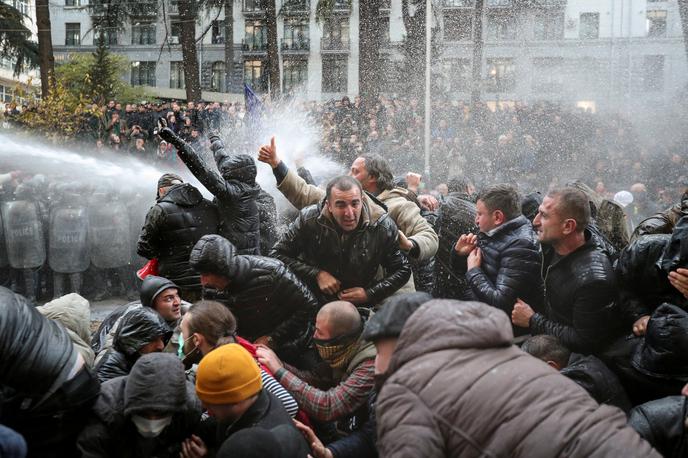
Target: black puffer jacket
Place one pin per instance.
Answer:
(664, 222)
(424, 271)
(510, 269)
(313, 243)
(139, 326)
(35, 352)
(598, 380)
(643, 284)
(663, 424)
(234, 188)
(157, 382)
(266, 297)
(580, 299)
(267, 211)
(456, 217)
(173, 226)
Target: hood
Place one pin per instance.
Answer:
(663, 352)
(530, 204)
(184, 195)
(444, 324)
(675, 253)
(240, 167)
(594, 199)
(152, 286)
(139, 327)
(217, 255)
(73, 311)
(393, 314)
(157, 382)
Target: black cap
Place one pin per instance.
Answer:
(392, 316)
(152, 286)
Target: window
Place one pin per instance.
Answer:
(253, 5)
(336, 34)
(109, 36)
(72, 3)
(500, 75)
(21, 5)
(384, 29)
(501, 27)
(499, 2)
(459, 74)
(143, 73)
(255, 76)
(458, 25)
(217, 81)
(175, 32)
(589, 26)
(177, 75)
(217, 34)
(72, 34)
(143, 33)
(656, 23)
(549, 26)
(295, 33)
(256, 34)
(458, 3)
(653, 79)
(548, 75)
(295, 73)
(334, 74)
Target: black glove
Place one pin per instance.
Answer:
(165, 132)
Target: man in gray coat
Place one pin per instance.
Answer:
(457, 387)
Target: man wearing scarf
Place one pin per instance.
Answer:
(337, 337)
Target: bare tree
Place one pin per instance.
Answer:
(478, 44)
(46, 59)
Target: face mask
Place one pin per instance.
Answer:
(189, 357)
(150, 428)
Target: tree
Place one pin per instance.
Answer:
(46, 59)
(188, 13)
(273, 50)
(15, 39)
(478, 44)
(683, 11)
(103, 73)
(229, 43)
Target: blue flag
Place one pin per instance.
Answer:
(254, 107)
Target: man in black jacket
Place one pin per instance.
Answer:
(338, 246)
(456, 218)
(271, 304)
(235, 188)
(46, 389)
(176, 222)
(580, 284)
(503, 260)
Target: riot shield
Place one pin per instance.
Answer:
(24, 237)
(109, 235)
(68, 242)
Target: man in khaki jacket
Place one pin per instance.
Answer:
(416, 237)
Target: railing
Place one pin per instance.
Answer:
(334, 44)
(295, 44)
(254, 6)
(253, 44)
(296, 7)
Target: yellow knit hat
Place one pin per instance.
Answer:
(227, 375)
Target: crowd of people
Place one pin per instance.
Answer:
(520, 314)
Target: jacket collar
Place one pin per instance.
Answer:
(508, 226)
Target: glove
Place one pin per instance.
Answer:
(165, 132)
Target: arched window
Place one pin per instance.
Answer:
(218, 80)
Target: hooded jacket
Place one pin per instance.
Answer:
(234, 188)
(458, 388)
(264, 295)
(313, 242)
(138, 327)
(172, 228)
(74, 313)
(663, 222)
(156, 383)
(581, 296)
(510, 268)
(457, 217)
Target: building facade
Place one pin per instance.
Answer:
(591, 53)
(9, 82)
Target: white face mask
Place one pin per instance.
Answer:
(150, 428)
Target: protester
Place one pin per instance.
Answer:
(518, 406)
(149, 412)
(180, 217)
(337, 336)
(345, 269)
(272, 305)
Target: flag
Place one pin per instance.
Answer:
(254, 107)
